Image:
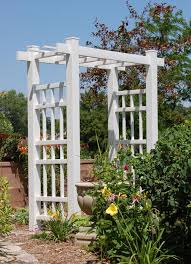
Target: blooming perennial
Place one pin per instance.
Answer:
(112, 209)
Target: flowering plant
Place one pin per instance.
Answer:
(123, 216)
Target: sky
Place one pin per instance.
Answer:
(46, 22)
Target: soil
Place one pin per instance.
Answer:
(50, 252)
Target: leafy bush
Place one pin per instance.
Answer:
(58, 228)
(22, 216)
(165, 174)
(6, 126)
(127, 227)
(5, 208)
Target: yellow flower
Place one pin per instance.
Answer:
(55, 216)
(106, 192)
(112, 209)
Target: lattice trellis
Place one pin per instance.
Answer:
(54, 119)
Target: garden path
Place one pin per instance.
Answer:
(43, 251)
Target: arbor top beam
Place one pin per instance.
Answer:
(88, 57)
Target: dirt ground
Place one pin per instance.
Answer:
(49, 252)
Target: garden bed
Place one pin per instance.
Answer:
(50, 252)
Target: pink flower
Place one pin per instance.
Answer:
(112, 197)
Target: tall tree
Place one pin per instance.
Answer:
(14, 107)
(161, 27)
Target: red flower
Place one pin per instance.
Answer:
(126, 167)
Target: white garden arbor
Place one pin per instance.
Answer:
(58, 154)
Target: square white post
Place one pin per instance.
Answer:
(113, 116)
(33, 135)
(151, 100)
(73, 123)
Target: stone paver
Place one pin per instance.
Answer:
(14, 254)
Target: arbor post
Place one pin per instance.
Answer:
(113, 116)
(33, 135)
(73, 123)
(151, 100)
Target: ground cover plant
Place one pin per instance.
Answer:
(127, 226)
(21, 216)
(165, 174)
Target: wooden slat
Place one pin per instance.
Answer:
(61, 95)
(132, 125)
(53, 172)
(51, 161)
(50, 105)
(49, 86)
(131, 109)
(129, 92)
(51, 199)
(130, 142)
(140, 124)
(123, 118)
(51, 142)
(44, 131)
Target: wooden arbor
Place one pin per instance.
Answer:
(58, 155)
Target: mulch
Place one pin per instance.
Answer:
(50, 252)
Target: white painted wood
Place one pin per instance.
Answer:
(151, 100)
(73, 123)
(130, 142)
(51, 161)
(71, 54)
(50, 105)
(53, 174)
(131, 109)
(110, 55)
(132, 125)
(51, 199)
(49, 86)
(124, 132)
(113, 117)
(140, 124)
(129, 92)
(61, 98)
(44, 129)
(33, 135)
(51, 142)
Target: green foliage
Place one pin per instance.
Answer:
(58, 228)
(93, 114)
(14, 107)
(82, 220)
(165, 174)
(127, 227)
(5, 208)
(5, 125)
(162, 27)
(8, 148)
(21, 216)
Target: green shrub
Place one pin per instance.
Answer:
(22, 216)
(5, 208)
(165, 174)
(127, 227)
